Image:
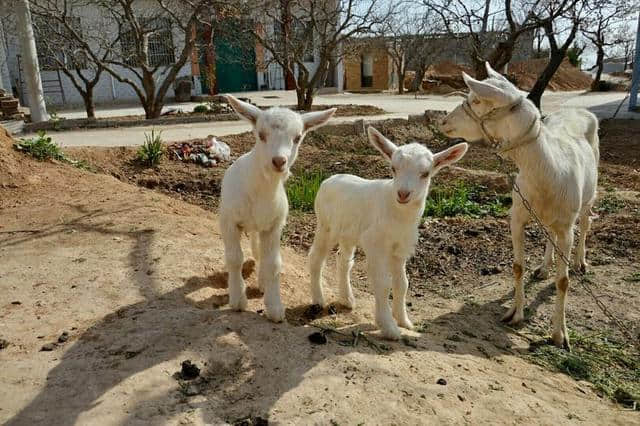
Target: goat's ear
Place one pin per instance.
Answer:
(485, 90)
(313, 120)
(382, 144)
(244, 110)
(493, 73)
(449, 156)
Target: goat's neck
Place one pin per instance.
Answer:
(262, 180)
(535, 160)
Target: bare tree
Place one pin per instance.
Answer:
(306, 37)
(566, 25)
(626, 36)
(136, 45)
(599, 29)
(492, 28)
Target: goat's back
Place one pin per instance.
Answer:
(579, 124)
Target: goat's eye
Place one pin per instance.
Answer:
(425, 175)
(297, 139)
(262, 136)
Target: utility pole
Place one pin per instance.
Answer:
(35, 94)
(635, 82)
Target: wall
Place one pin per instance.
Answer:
(382, 68)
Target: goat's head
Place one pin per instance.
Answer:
(278, 132)
(413, 165)
(495, 111)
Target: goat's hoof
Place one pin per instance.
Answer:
(348, 302)
(319, 301)
(583, 267)
(513, 316)
(406, 323)
(541, 273)
(240, 304)
(561, 340)
(391, 333)
(275, 313)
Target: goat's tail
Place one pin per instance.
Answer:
(592, 136)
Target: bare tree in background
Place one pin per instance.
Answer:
(493, 28)
(560, 33)
(306, 38)
(59, 50)
(600, 30)
(136, 43)
(627, 41)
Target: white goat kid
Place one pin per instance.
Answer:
(254, 199)
(558, 174)
(382, 217)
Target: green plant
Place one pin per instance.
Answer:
(573, 54)
(199, 109)
(302, 190)
(610, 204)
(609, 365)
(41, 147)
(461, 200)
(151, 152)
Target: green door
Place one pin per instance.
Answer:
(235, 62)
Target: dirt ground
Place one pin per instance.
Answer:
(129, 263)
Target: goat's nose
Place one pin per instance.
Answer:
(279, 162)
(403, 195)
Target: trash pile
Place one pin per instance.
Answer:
(208, 152)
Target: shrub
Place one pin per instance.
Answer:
(601, 86)
(41, 147)
(151, 152)
(200, 109)
(302, 190)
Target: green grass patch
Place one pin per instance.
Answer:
(466, 200)
(633, 278)
(152, 150)
(612, 367)
(43, 148)
(610, 204)
(302, 190)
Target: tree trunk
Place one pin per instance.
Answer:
(35, 93)
(547, 74)
(600, 65)
(308, 99)
(400, 74)
(89, 104)
(300, 98)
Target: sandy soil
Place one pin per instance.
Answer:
(136, 279)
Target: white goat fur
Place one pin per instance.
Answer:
(558, 175)
(254, 200)
(382, 217)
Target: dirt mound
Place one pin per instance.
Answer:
(567, 77)
(448, 68)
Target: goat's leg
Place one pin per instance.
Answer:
(542, 271)
(400, 286)
(317, 255)
(345, 263)
(379, 277)
(519, 218)
(269, 273)
(580, 259)
(560, 336)
(255, 252)
(233, 257)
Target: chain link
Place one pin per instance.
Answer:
(584, 280)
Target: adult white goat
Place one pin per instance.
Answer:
(254, 200)
(558, 174)
(382, 217)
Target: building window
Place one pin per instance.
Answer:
(160, 49)
(56, 46)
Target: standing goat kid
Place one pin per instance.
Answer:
(382, 217)
(254, 200)
(558, 174)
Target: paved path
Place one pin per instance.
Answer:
(397, 106)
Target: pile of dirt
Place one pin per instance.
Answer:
(567, 77)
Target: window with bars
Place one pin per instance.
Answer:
(56, 46)
(160, 48)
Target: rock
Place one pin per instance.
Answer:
(472, 232)
(189, 370)
(455, 250)
(442, 382)
(63, 337)
(4, 344)
(461, 398)
(16, 302)
(191, 390)
(48, 347)
(318, 338)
